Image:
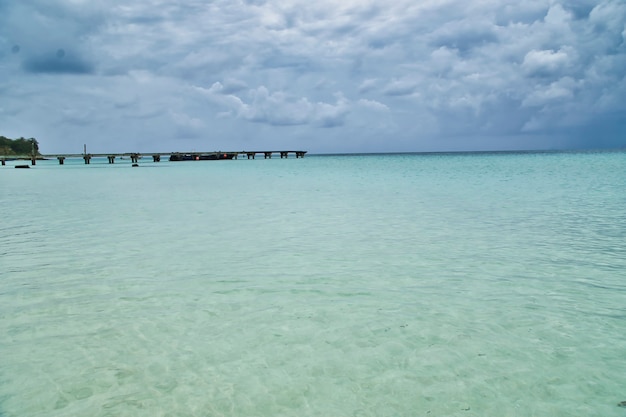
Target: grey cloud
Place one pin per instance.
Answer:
(580, 9)
(232, 85)
(525, 12)
(49, 37)
(400, 88)
(279, 59)
(367, 85)
(464, 35)
(58, 63)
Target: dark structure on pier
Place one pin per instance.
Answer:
(214, 156)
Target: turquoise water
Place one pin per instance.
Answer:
(363, 285)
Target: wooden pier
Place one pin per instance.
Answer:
(156, 156)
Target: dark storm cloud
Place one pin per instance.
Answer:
(57, 63)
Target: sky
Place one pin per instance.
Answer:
(325, 76)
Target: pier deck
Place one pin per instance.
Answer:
(156, 156)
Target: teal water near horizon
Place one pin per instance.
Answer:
(483, 284)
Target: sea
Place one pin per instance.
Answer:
(443, 284)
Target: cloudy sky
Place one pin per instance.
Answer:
(324, 76)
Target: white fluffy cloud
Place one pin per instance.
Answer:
(350, 76)
(546, 62)
(278, 108)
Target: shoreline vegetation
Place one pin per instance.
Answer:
(19, 148)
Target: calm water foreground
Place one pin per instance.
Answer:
(379, 285)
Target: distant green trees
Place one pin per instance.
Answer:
(19, 146)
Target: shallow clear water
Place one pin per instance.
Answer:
(372, 285)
